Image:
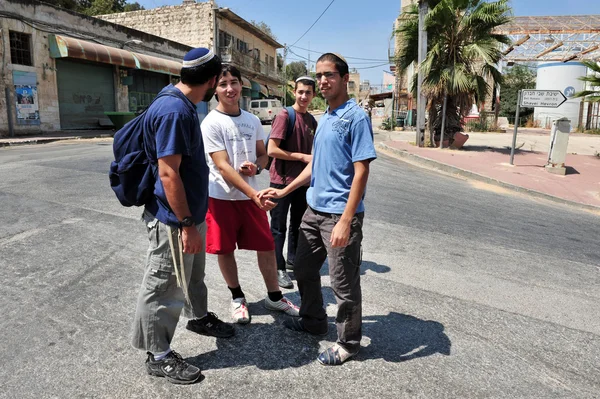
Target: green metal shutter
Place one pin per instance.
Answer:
(85, 92)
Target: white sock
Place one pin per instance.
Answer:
(161, 355)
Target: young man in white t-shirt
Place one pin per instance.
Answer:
(234, 144)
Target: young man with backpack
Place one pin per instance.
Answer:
(175, 220)
(237, 218)
(290, 146)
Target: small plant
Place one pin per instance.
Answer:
(386, 124)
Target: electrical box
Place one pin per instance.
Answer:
(559, 141)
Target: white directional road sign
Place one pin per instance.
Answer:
(542, 98)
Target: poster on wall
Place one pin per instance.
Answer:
(26, 98)
(27, 102)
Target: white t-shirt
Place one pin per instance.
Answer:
(237, 135)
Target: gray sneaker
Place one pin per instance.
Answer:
(284, 279)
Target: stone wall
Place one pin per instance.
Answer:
(189, 23)
(20, 15)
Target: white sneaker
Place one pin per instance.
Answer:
(284, 305)
(239, 311)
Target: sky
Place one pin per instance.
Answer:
(359, 30)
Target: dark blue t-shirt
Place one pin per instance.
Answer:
(173, 128)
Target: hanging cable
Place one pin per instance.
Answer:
(314, 22)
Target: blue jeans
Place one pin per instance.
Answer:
(296, 204)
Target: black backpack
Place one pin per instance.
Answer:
(132, 175)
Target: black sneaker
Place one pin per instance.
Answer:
(297, 324)
(173, 368)
(211, 325)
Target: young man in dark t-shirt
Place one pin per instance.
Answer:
(290, 156)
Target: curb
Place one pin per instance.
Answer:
(426, 162)
(49, 140)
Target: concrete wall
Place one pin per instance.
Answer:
(189, 23)
(19, 15)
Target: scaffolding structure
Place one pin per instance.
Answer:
(559, 38)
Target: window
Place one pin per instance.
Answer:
(254, 104)
(242, 46)
(351, 85)
(274, 104)
(271, 62)
(20, 48)
(264, 104)
(225, 39)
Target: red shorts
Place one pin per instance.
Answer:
(237, 222)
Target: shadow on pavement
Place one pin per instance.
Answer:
(397, 337)
(365, 265)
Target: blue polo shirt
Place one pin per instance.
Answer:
(343, 136)
(172, 126)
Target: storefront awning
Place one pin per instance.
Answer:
(64, 46)
(275, 91)
(246, 83)
(257, 87)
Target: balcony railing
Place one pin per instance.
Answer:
(247, 62)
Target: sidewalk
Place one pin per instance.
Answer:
(485, 157)
(55, 136)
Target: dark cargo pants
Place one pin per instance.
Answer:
(344, 270)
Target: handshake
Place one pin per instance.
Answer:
(263, 198)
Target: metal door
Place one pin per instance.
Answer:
(85, 92)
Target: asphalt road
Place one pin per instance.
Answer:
(469, 292)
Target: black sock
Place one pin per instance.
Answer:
(236, 292)
(275, 296)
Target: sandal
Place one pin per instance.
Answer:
(334, 356)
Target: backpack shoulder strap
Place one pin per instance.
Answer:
(291, 121)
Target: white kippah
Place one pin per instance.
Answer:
(305, 78)
(204, 56)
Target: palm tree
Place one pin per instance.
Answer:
(593, 81)
(463, 52)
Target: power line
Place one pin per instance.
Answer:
(351, 58)
(314, 22)
(374, 66)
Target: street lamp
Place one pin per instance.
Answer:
(134, 41)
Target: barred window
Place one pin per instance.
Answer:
(20, 48)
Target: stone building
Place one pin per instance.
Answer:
(63, 70)
(205, 24)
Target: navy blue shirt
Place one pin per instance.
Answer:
(172, 126)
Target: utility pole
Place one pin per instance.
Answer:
(421, 100)
(285, 51)
(308, 70)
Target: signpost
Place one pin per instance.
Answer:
(531, 99)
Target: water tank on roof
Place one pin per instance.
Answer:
(564, 77)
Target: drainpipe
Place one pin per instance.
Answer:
(11, 131)
(215, 10)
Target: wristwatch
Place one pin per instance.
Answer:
(187, 222)
(258, 169)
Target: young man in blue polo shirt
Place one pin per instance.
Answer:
(332, 225)
(175, 222)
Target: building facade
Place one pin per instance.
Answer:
(205, 24)
(63, 70)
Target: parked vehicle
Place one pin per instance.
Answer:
(266, 109)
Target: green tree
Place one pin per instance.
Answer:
(518, 77)
(462, 53)
(264, 27)
(133, 7)
(593, 81)
(295, 69)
